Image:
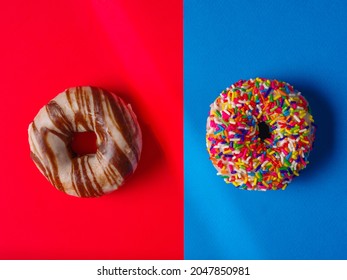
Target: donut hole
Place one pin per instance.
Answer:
(264, 131)
(83, 143)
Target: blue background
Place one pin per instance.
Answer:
(300, 42)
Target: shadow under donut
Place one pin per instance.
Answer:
(323, 114)
(152, 153)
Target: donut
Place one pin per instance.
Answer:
(82, 109)
(259, 134)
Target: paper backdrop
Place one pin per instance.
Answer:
(132, 48)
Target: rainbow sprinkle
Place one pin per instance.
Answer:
(233, 142)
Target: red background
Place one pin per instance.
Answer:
(133, 48)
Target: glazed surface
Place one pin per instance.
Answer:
(80, 109)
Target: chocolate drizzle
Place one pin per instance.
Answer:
(109, 145)
(121, 117)
(57, 116)
(49, 164)
(85, 109)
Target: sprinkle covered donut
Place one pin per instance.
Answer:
(259, 134)
(81, 109)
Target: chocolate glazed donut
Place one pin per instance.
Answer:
(81, 109)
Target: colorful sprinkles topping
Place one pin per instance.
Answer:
(238, 148)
